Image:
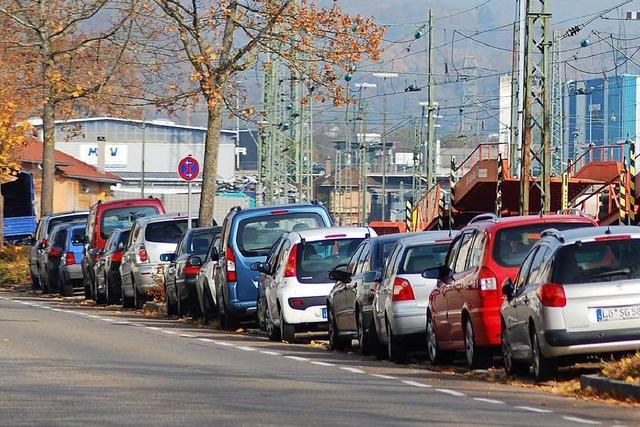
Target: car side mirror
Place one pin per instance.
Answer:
(168, 257)
(338, 275)
(371, 276)
(261, 267)
(120, 246)
(194, 261)
(507, 288)
(431, 273)
(215, 255)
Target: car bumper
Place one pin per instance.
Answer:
(313, 313)
(146, 276)
(72, 272)
(408, 319)
(559, 342)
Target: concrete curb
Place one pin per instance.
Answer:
(157, 309)
(616, 388)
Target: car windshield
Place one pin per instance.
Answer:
(63, 220)
(513, 244)
(166, 231)
(599, 261)
(317, 259)
(257, 235)
(419, 258)
(123, 217)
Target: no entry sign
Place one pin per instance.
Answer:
(188, 168)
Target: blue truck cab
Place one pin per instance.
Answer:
(247, 237)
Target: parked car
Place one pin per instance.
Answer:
(299, 283)
(141, 265)
(55, 255)
(70, 279)
(400, 302)
(247, 237)
(104, 217)
(184, 264)
(464, 310)
(107, 269)
(577, 294)
(263, 281)
(205, 287)
(352, 295)
(39, 241)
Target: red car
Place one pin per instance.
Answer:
(464, 310)
(104, 217)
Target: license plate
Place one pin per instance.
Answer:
(324, 312)
(618, 313)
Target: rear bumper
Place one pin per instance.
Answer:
(309, 312)
(72, 272)
(408, 319)
(559, 342)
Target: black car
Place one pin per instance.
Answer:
(184, 265)
(107, 268)
(350, 299)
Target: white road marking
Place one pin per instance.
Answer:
(270, 353)
(136, 324)
(581, 420)
(451, 392)
(316, 362)
(169, 332)
(187, 336)
(206, 340)
(106, 319)
(298, 358)
(27, 303)
(154, 328)
(416, 384)
(538, 410)
(122, 322)
(91, 316)
(54, 309)
(354, 370)
(245, 348)
(386, 377)
(224, 343)
(482, 399)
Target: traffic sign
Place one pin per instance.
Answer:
(188, 168)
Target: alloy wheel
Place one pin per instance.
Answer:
(431, 341)
(469, 343)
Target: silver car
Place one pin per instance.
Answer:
(400, 303)
(140, 269)
(577, 294)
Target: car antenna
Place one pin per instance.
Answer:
(608, 230)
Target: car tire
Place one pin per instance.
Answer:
(227, 320)
(35, 282)
(512, 367)
(66, 287)
(111, 295)
(138, 298)
(543, 368)
(435, 355)
(260, 315)
(336, 342)
(366, 339)
(273, 333)
(205, 307)
(127, 302)
(170, 300)
(475, 357)
(396, 351)
(287, 331)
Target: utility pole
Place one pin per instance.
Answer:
(362, 217)
(430, 160)
(384, 140)
(144, 153)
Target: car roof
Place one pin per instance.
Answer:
(66, 213)
(586, 233)
(429, 237)
(326, 233)
(71, 224)
(388, 238)
(164, 217)
(197, 230)
(289, 207)
(514, 221)
(128, 202)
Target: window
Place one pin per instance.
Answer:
(537, 265)
(77, 236)
(275, 250)
(256, 235)
(59, 238)
(453, 253)
(63, 220)
(461, 261)
(353, 262)
(282, 256)
(477, 250)
(316, 259)
(365, 260)
(198, 242)
(419, 258)
(165, 231)
(390, 265)
(123, 217)
(524, 271)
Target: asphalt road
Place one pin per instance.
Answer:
(64, 364)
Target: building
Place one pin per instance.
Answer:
(602, 111)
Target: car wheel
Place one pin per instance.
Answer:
(127, 302)
(475, 356)
(260, 316)
(111, 296)
(87, 287)
(66, 287)
(434, 353)
(287, 331)
(336, 342)
(138, 298)
(511, 366)
(227, 320)
(205, 306)
(170, 300)
(35, 282)
(543, 367)
(367, 341)
(273, 333)
(395, 349)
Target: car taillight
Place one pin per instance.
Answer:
(191, 270)
(231, 265)
(143, 256)
(116, 256)
(292, 269)
(43, 242)
(54, 252)
(69, 258)
(402, 290)
(487, 280)
(95, 257)
(552, 295)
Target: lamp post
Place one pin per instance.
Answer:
(384, 76)
(363, 153)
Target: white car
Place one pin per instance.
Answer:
(400, 303)
(205, 286)
(298, 285)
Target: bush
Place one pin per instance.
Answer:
(626, 369)
(14, 265)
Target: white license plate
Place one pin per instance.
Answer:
(324, 312)
(618, 313)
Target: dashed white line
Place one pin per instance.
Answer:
(385, 377)
(54, 309)
(91, 316)
(122, 322)
(245, 348)
(354, 370)
(164, 331)
(416, 384)
(450, 392)
(106, 319)
(187, 336)
(485, 400)
(298, 358)
(223, 343)
(581, 420)
(206, 340)
(319, 363)
(154, 328)
(538, 410)
(270, 353)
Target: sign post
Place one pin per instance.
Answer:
(188, 170)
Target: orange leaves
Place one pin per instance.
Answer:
(13, 129)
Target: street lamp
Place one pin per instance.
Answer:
(363, 152)
(384, 76)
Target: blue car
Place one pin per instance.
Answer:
(63, 258)
(247, 237)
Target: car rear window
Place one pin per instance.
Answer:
(513, 244)
(63, 220)
(199, 242)
(77, 236)
(419, 258)
(317, 259)
(599, 261)
(165, 231)
(123, 217)
(257, 235)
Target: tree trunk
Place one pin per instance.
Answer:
(48, 162)
(210, 166)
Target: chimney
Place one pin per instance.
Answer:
(328, 166)
(101, 153)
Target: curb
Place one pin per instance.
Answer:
(16, 287)
(616, 388)
(156, 308)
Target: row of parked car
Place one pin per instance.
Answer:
(539, 290)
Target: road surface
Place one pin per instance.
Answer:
(65, 364)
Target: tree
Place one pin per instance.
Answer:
(218, 39)
(73, 50)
